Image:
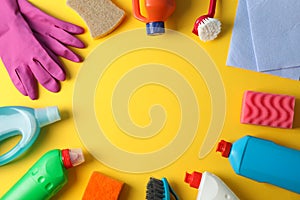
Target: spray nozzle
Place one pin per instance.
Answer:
(224, 147)
(193, 179)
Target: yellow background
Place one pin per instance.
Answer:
(63, 134)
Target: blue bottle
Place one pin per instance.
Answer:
(264, 161)
(18, 120)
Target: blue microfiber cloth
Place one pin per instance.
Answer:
(264, 37)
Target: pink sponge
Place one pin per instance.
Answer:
(268, 109)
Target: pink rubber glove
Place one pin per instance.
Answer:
(54, 33)
(25, 59)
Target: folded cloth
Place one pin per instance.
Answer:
(256, 45)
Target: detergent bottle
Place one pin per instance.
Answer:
(210, 186)
(47, 176)
(24, 121)
(264, 161)
(158, 11)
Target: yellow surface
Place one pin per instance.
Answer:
(64, 134)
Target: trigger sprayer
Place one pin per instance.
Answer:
(24, 121)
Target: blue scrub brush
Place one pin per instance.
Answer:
(159, 190)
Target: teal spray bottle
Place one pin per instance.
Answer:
(47, 176)
(24, 121)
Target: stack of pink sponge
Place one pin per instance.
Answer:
(268, 109)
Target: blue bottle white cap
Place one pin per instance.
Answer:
(47, 115)
(155, 28)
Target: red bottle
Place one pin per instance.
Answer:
(158, 11)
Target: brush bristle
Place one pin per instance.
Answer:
(209, 29)
(155, 189)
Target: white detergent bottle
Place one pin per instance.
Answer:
(210, 186)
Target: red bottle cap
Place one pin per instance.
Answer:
(193, 179)
(66, 158)
(224, 147)
(72, 157)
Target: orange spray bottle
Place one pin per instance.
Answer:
(158, 11)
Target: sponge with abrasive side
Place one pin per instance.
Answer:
(102, 187)
(101, 16)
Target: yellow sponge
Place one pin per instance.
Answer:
(102, 187)
(101, 16)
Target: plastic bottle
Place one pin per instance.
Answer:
(158, 12)
(18, 120)
(264, 161)
(47, 176)
(210, 186)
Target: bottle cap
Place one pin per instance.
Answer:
(155, 28)
(224, 147)
(72, 157)
(193, 179)
(47, 115)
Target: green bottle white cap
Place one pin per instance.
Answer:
(72, 157)
(76, 157)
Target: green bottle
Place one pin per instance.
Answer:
(46, 177)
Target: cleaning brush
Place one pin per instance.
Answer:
(159, 190)
(206, 26)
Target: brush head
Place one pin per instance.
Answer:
(208, 29)
(156, 190)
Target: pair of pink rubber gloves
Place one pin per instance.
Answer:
(30, 43)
